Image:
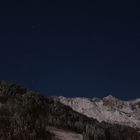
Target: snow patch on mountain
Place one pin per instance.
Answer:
(109, 109)
(61, 134)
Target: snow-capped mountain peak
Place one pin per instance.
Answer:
(109, 109)
(110, 97)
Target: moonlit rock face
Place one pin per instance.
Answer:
(108, 109)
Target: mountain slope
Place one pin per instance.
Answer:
(108, 109)
(25, 115)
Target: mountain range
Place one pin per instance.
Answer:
(27, 115)
(109, 109)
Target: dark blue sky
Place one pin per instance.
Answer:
(76, 48)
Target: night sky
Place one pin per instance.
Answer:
(72, 48)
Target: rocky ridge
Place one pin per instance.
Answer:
(109, 109)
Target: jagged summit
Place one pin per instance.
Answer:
(110, 97)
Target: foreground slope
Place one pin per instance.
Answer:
(25, 115)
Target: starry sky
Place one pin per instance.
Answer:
(72, 48)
